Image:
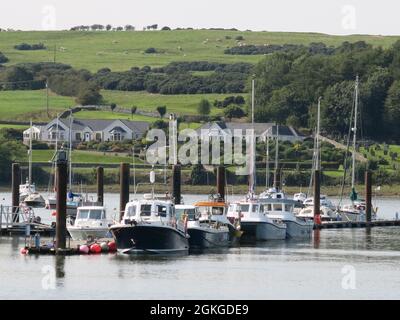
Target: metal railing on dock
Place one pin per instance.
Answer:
(16, 220)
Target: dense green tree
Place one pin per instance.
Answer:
(162, 110)
(234, 111)
(89, 96)
(373, 95)
(3, 58)
(204, 107)
(392, 109)
(336, 107)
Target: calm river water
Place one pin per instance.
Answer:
(335, 264)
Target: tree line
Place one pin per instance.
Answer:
(288, 85)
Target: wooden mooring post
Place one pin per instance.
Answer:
(176, 183)
(317, 198)
(15, 181)
(368, 196)
(61, 201)
(100, 185)
(221, 182)
(124, 188)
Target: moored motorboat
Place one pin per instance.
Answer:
(215, 211)
(91, 223)
(326, 213)
(282, 210)
(34, 200)
(254, 223)
(204, 233)
(149, 226)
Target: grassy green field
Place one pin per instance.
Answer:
(14, 126)
(123, 50)
(112, 115)
(180, 104)
(79, 156)
(30, 104)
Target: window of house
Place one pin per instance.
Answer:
(98, 136)
(116, 136)
(78, 136)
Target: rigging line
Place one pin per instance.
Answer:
(347, 150)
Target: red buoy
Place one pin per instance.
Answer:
(54, 213)
(95, 248)
(112, 247)
(24, 251)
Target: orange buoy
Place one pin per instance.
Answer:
(112, 247)
(95, 248)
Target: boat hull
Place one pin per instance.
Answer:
(297, 230)
(205, 238)
(262, 231)
(149, 239)
(86, 233)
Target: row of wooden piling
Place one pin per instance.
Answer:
(317, 196)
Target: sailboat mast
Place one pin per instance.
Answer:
(70, 150)
(30, 156)
(252, 181)
(353, 168)
(276, 155)
(267, 165)
(317, 159)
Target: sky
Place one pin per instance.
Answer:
(324, 16)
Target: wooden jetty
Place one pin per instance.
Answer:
(356, 224)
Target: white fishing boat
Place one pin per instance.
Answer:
(254, 224)
(91, 223)
(34, 200)
(327, 214)
(149, 226)
(282, 210)
(204, 233)
(300, 197)
(214, 211)
(324, 202)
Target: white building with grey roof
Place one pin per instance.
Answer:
(223, 129)
(87, 130)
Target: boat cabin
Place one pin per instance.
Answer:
(211, 208)
(149, 210)
(90, 216)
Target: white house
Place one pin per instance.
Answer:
(261, 130)
(87, 130)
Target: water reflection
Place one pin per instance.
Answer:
(60, 266)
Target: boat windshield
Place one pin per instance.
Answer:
(96, 214)
(131, 211)
(191, 213)
(243, 208)
(145, 210)
(211, 210)
(83, 214)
